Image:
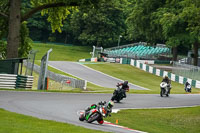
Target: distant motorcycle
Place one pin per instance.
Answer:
(188, 88)
(93, 115)
(164, 89)
(118, 94)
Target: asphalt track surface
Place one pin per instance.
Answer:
(91, 75)
(63, 107)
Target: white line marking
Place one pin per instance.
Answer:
(117, 110)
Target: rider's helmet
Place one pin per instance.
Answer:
(125, 83)
(110, 104)
(166, 77)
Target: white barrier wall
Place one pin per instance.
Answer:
(158, 72)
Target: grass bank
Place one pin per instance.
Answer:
(138, 77)
(16, 123)
(62, 52)
(178, 120)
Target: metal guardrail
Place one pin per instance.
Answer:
(8, 81)
(75, 83)
(25, 82)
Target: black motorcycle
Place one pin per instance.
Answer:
(118, 94)
(94, 115)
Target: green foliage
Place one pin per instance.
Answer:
(89, 24)
(39, 28)
(191, 14)
(141, 21)
(99, 26)
(25, 41)
(4, 6)
(56, 17)
(174, 27)
(2, 49)
(169, 21)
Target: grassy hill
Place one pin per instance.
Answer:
(62, 52)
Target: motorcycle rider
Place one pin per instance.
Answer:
(124, 88)
(186, 84)
(107, 106)
(168, 81)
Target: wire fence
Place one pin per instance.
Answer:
(62, 79)
(30, 62)
(186, 70)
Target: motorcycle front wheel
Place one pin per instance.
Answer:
(82, 118)
(161, 92)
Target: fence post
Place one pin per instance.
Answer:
(85, 85)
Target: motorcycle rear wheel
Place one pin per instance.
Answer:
(100, 121)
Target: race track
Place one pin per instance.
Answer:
(86, 73)
(63, 107)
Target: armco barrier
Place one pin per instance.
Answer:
(90, 59)
(158, 72)
(25, 82)
(8, 81)
(75, 83)
(11, 81)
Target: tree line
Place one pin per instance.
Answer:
(99, 22)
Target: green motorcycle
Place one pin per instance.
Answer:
(95, 114)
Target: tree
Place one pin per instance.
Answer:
(14, 29)
(3, 18)
(3, 24)
(181, 24)
(190, 13)
(39, 27)
(99, 26)
(142, 23)
(54, 8)
(173, 27)
(175, 22)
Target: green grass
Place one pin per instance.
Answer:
(17, 123)
(61, 52)
(138, 77)
(179, 120)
